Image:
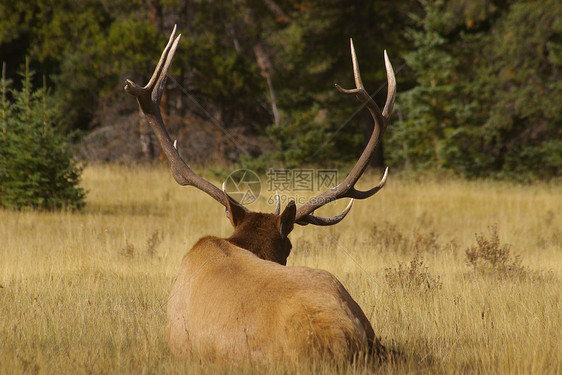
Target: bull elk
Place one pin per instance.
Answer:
(234, 298)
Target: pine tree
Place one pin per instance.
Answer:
(487, 97)
(37, 168)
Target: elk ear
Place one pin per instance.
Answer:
(286, 220)
(234, 211)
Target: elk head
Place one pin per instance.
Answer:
(266, 234)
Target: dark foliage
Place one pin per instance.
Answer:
(37, 168)
(479, 82)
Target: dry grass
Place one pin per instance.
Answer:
(86, 292)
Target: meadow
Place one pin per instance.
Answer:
(458, 276)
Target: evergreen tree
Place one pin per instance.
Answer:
(311, 53)
(480, 94)
(487, 98)
(37, 169)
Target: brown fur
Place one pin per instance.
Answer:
(234, 299)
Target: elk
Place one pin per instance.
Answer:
(234, 298)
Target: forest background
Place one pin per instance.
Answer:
(479, 81)
(457, 271)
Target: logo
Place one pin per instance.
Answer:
(243, 185)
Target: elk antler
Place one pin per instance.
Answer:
(149, 98)
(346, 189)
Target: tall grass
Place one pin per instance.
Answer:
(86, 292)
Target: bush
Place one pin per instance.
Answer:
(490, 257)
(152, 242)
(301, 140)
(37, 168)
(387, 236)
(414, 276)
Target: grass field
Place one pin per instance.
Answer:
(86, 292)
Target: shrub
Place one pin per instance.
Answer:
(388, 236)
(37, 168)
(152, 243)
(490, 257)
(414, 276)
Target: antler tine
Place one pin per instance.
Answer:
(168, 53)
(359, 194)
(356, 71)
(346, 189)
(149, 98)
(391, 91)
(325, 221)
